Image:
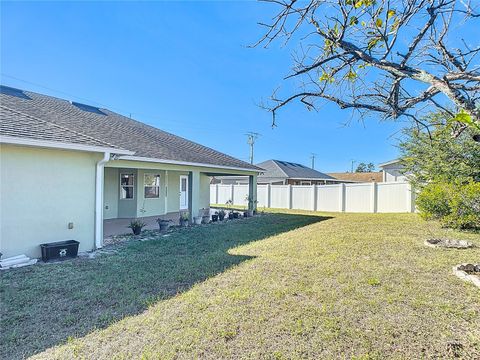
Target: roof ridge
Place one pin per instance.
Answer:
(59, 126)
(278, 166)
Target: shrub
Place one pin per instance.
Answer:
(465, 206)
(455, 205)
(434, 201)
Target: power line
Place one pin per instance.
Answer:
(251, 138)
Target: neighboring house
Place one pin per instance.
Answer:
(68, 169)
(360, 177)
(278, 172)
(392, 171)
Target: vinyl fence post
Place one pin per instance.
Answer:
(373, 197)
(232, 191)
(216, 194)
(268, 196)
(410, 195)
(289, 196)
(342, 198)
(314, 194)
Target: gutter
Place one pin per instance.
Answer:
(99, 179)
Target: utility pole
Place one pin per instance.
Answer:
(251, 137)
(353, 162)
(312, 156)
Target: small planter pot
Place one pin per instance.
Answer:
(235, 215)
(230, 216)
(214, 218)
(197, 220)
(136, 231)
(245, 214)
(163, 225)
(221, 217)
(205, 219)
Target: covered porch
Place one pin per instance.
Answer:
(148, 191)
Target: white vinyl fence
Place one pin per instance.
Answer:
(389, 197)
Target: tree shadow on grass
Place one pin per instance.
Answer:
(44, 305)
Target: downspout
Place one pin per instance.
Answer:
(99, 200)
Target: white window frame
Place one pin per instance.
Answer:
(132, 186)
(157, 186)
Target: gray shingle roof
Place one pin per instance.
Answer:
(25, 111)
(16, 124)
(278, 169)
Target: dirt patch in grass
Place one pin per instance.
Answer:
(448, 243)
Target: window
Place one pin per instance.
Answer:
(126, 186)
(151, 186)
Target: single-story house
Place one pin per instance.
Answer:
(69, 170)
(279, 172)
(392, 171)
(358, 177)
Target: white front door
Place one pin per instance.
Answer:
(183, 192)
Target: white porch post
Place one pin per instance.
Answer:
(252, 192)
(166, 192)
(193, 193)
(99, 181)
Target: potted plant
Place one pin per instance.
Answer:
(205, 214)
(235, 215)
(221, 214)
(184, 218)
(136, 225)
(215, 216)
(230, 215)
(163, 224)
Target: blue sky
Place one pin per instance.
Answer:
(185, 68)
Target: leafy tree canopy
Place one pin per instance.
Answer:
(437, 157)
(363, 167)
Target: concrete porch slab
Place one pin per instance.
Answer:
(112, 227)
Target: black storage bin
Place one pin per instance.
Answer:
(59, 250)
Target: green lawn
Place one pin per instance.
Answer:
(280, 286)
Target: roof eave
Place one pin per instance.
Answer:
(187, 163)
(389, 162)
(13, 140)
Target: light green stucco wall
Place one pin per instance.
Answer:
(204, 201)
(142, 207)
(150, 206)
(111, 193)
(41, 191)
(173, 201)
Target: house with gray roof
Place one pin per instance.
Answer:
(75, 171)
(279, 172)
